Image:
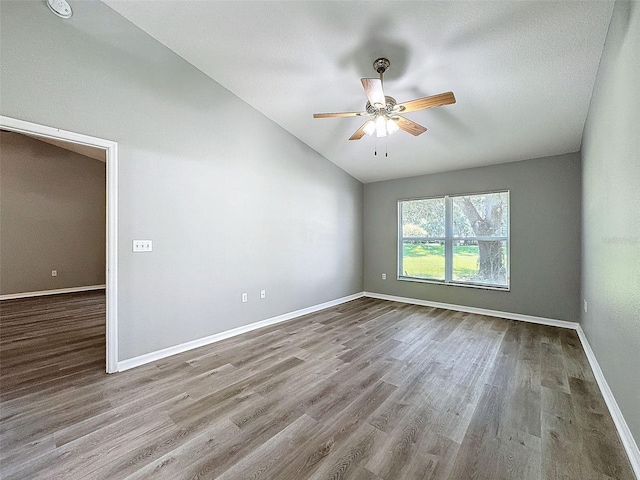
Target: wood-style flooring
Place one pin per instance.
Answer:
(367, 390)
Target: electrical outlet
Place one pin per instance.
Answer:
(263, 294)
(245, 297)
(54, 273)
(585, 306)
(384, 276)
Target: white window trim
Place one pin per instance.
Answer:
(448, 240)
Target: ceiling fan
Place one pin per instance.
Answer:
(385, 110)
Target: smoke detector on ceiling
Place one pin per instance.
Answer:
(60, 7)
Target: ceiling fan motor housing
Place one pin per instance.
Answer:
(389, 107)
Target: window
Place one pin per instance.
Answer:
(459, 240)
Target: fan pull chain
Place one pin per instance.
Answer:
(385, 147)
(375, 146)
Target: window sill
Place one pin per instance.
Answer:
(455, 284)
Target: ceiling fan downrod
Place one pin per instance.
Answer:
(381, 65)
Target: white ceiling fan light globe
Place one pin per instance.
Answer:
(392, 126)
(381, 126)
(369, 127)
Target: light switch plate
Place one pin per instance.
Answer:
(142, 246)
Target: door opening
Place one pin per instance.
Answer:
(111, 267)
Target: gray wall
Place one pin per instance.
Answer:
(611, 213)
(232, 202)
(545, 236)
(52, 216)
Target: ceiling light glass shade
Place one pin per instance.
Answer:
(381, 126)
(369, 127)
(392, 126)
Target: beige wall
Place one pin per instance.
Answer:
(52, 217)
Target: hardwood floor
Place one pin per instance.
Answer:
(366, 390)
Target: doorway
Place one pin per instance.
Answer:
(111, 278)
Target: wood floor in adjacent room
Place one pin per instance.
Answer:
(366, 390)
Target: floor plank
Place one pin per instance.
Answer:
(366, 390)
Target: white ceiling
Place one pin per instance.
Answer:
(522, 71)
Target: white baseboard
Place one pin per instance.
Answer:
(183, 347)
(41, 293)
(630, 445)
(480, 311)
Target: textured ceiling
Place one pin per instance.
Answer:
(522, 72)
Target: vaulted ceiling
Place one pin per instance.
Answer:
(522, 72)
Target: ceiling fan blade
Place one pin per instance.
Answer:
(427, 102)
(341, 114)
(359, 133)
(373, 89)
(408, 126)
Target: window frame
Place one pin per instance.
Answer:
(449, 239)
